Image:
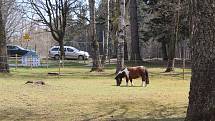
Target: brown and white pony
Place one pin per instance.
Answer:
(131, 73)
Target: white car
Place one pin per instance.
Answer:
(70, 53)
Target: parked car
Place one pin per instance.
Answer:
(70, 53)
(12, 50)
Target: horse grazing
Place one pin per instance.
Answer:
(132, 73)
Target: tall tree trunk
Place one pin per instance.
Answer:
(172, 43)
(4, 68)
(125, 50)
(106, 45)
(164, 51)
(202, 86)
(95, 45)
(135, 52)
(171, 56)
(121, 37)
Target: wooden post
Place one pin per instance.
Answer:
(16, 61)
(78, 60)
(31, 61)
(47, 63)
(109, 60)
(184, 61)
(59, 66)
(62, 62)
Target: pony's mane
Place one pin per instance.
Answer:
(123, 69)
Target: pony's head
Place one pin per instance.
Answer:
(119, 77)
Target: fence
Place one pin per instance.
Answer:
(34, 62)
(31, 62)
(17, 62)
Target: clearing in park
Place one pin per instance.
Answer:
(81, 95)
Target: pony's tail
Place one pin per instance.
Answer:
(147, 76)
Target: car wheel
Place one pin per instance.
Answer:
(56, 57)
(80, 57)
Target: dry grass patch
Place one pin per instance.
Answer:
(81, 95)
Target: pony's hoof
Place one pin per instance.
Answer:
(144, 85)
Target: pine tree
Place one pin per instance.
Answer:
(202, 86)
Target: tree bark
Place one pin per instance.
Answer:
(4, 67)
(62, 53)
(172, 43)
(121, 37)
(171, 56)
(164, 51)
(135, 52)
(202, 86)
(95, 45)
(125, 50)
(106, 44)
(170, 65)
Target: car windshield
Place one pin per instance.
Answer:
(68, 47)
(75, 49)
(20, 48)
(55, 49)
(15, 47)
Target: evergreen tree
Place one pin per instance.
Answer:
(202, 86)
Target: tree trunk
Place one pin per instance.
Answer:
(4, 67)
(164, 51)
(121, 37)
(62, 53)
(170, 65)
(125, 50)
(172, 43)
(135, 52)
(202, 86)
(171, 56)
(95, 45)
(106, 45)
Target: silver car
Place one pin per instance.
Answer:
(70, 53)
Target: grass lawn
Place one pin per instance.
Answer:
(80, 95)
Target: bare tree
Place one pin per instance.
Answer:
(3, 47)
(202, 86)
(95, 45)
(121, 37)
(53, 14)
(12, 17)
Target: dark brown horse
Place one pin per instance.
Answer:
(131, 73)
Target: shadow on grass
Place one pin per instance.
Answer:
(19, 114)
(177, 75)
(16, 114)
(124, 111)
(139, 119)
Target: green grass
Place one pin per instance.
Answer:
(81, 95)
